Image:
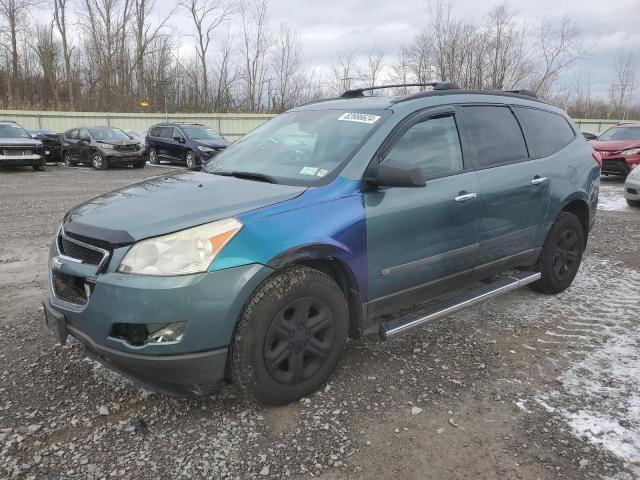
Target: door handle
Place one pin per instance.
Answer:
(465, 196)
(538, 180)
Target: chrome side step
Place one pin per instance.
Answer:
(452, 305)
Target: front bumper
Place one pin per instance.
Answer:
(21, 160)
(190, 374)
(632, 189)
(619, 165)
(210, 304)
(124, 158)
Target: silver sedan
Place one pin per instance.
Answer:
(632, 188)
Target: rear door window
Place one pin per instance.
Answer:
(495, 134)
(72, 134)
(550, 131)
(154, 132)
(433, 145)
(166, 132)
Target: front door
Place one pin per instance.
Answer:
(421, 237)
(515, 191)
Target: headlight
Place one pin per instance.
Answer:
(181, 253)
(205, 149)
(107, 146)
(631, 152)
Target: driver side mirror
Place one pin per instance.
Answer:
(396, 173)
(34, 135)
(179, 139)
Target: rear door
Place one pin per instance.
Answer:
(420, 238)
(515, 189)
(71, 137)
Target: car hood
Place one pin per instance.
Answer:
(168, 203)
(221, 143)
(20, 141)
(614, 145)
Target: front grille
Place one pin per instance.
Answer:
(81, 250)
(126, 148)
(69, 288)
(16, 152)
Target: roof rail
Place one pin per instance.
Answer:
(528, 93)
(358, 92)
(180, 123)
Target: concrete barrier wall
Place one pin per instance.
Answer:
(231, 125)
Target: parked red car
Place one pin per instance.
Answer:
(619, 148)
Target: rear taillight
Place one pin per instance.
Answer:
(597, 157)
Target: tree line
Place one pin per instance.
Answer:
(109, 55)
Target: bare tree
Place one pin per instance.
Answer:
(559, 46)
(60, 19)
(626, 67)
(256, 40)
(286, 65)
(375, 59)
(207, 15)
(13, 14)
(344, 70)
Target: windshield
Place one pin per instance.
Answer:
(108, 134)
(201, 133)
(13, 131)
(299, 148)
(621, 133)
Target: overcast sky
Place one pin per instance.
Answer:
(326, 26)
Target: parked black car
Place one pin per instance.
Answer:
(51, 141)
(191, 143)
(102, 147)
(18, 149)
(589, 136)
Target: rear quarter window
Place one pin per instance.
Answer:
(550, 132)
(154, 132)
(495, 134)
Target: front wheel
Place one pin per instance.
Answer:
(98, 162)
(633, 203)
(66, 158)
(290, 336)
(190, 159)
(139, 164)
(561, 255)
(153, 157)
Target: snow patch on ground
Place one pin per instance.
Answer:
(611, 198)
(599, 395)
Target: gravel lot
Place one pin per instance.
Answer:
(525, 386)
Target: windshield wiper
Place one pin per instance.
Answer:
(258, 177)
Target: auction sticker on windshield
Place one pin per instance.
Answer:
(359, 117)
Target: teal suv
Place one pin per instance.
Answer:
(319, 226)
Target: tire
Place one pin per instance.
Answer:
(561, 255)
(633, 203)
(280, 352)
(66, 159)
(38, 168)
(190, 159)
(139, 164)
(153, 157)
(98, 161)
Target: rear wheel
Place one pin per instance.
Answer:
(633, 203)
(561, 254)
(98, 161)
(153, 157)
(290, 336)
(190, 159)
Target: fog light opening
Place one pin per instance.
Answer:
(140, 334)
